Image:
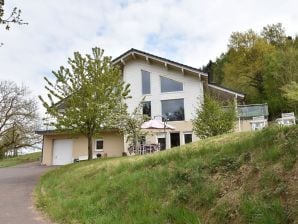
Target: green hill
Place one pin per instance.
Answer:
(235, 178)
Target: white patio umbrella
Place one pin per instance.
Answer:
(156, 124)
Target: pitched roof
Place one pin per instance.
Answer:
(134, 52)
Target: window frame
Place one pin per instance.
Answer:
(188, 133)
(142, 81)
(95, 145)
(162, 112)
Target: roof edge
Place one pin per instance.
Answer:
(133, 50)
(238, 94)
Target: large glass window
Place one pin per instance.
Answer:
(173, 110)
(170, 85)
(146, 88)
(147, 108)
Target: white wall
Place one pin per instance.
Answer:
(192, 87)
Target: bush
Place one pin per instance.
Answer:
(213, 119)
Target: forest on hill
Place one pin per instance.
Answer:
(262, 65)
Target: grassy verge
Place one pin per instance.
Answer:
(236, 178)
(20, 159)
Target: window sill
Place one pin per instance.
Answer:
(98, 150)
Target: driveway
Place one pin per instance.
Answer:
(16, 188)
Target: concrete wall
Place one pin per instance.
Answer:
(113, 145)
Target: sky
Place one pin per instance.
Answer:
(187, 31)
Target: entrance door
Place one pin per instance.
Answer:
(62, 151)
(175, 139)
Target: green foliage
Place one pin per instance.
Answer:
(90, 95)
(180, 185)
(132, 126)
(213, 119)
(262, 66)
(291, 91)
(274, 34)
(32, 157)
(258, 211)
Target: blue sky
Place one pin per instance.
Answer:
(188, 31)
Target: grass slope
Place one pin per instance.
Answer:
(32, 157)
(236, 178)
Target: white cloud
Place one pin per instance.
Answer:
(189, 31)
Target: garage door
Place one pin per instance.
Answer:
(62, 151)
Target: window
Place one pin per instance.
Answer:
(147, 108)
(187, 138)
(146, 89)
(173, 110)
(98, 145)
(170, 85)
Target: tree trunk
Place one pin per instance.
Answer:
(90, 154)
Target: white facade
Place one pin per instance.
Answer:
(192, 94)
(192, 87)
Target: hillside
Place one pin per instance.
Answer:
(235, 178)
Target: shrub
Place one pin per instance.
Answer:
(213, 119)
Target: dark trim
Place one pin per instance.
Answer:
(133, 50)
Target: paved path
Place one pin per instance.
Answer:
(16, 187)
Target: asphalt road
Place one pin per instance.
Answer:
(16, 188)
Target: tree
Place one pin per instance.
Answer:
(132, 126)
(91, 95)
(18, 118)
(245, 67)
(14, 17)
(274, 34)
(291, 92)
(213, 119)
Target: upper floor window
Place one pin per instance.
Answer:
(147, 108)
(173, 110)
(146, 87)
(170, 85)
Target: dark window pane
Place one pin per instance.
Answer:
(187, 138)
(145, 82)
(170, 85)
(147, 108)
(99, 144)
(175, 139)
(162, 143)
(173, 110)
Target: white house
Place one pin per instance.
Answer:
(168, 89)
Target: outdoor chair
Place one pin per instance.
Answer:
(287, 119)
(258, 123)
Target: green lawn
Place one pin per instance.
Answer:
(235, 178)
(20, 159)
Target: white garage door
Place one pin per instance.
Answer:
(62, 151)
